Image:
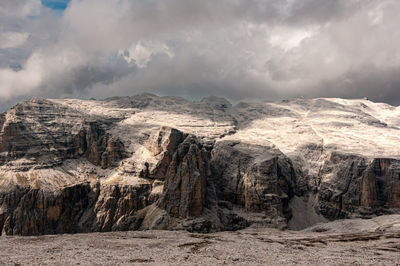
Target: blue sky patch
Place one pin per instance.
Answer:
(58, 5)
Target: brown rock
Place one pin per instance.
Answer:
(182, 181)
(185, 188)
(163, 145)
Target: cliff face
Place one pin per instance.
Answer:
(148, 162)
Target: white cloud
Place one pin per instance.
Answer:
(16, 84)
(141, 52)
(288, 38)
(20, 8)
(12, 39)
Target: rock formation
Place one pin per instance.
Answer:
(149, 162)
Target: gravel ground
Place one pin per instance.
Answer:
(246, 247)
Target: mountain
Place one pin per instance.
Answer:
(150, 162)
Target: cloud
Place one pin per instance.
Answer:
(13, 39)
(18, 83)
(240, 49)
(19, 9)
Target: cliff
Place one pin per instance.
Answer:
(149, 162)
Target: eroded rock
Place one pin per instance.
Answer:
(149, 162)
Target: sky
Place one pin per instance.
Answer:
(238, 49)
(58, 5)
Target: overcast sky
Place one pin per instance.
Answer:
(239, 49)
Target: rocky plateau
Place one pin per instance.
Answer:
(167, 163)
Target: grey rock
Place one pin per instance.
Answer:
(149, 162)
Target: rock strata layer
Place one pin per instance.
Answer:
(149, 162)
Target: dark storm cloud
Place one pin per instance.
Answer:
(240, 49)
(318, 12)
(377, 85)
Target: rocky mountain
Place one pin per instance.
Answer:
(149, 162)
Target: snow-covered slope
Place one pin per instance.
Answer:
(351, 126)
(356, 126)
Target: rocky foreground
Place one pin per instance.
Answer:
(149, 162)
(346, 242)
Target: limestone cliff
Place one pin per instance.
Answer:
(149, 162)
